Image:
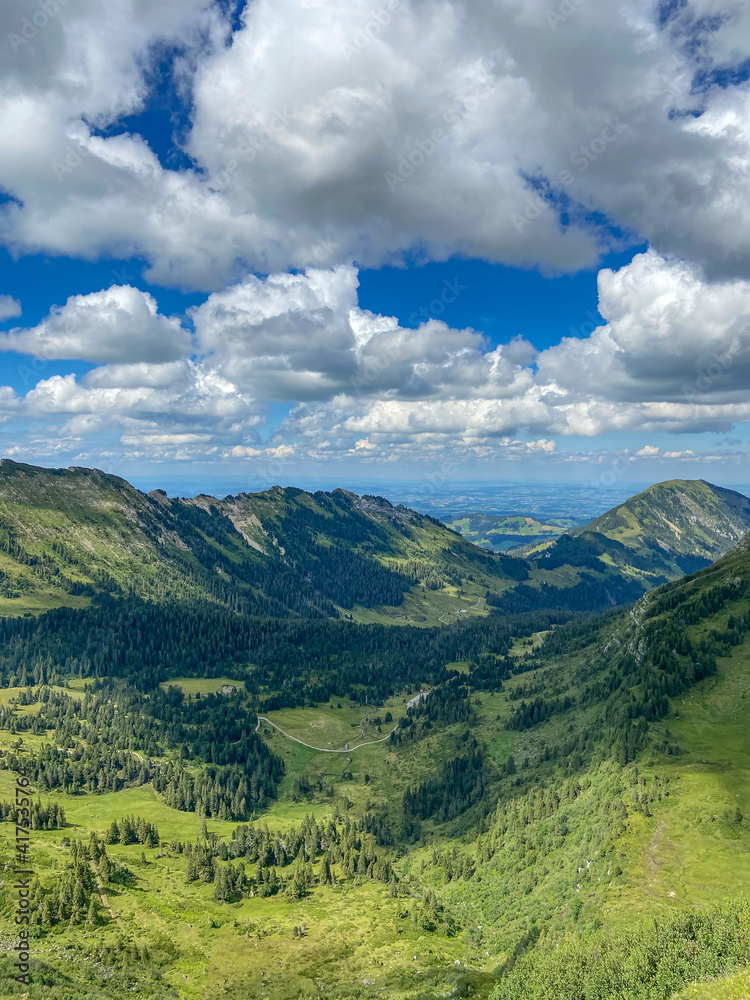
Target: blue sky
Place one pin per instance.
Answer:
(270, 242)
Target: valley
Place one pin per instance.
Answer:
(229, 803)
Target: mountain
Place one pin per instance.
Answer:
(666, 531)
(68, 534)
(676, 524)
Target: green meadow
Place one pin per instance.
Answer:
(684, 848)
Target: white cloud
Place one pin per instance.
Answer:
(9, 307)
(119, 324)
(672, 356)
(312, 143)
(669, 336)
(303, 337)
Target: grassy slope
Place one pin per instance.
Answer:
(686, 848)
(501, 533)
(733, 987)
(677, 856)
(81, 528)
(687, 517)
(82, 523)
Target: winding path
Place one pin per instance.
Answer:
(346, 749)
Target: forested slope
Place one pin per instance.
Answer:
(68, 534)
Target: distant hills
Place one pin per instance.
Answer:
(507, 532)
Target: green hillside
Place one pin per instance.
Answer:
(506, 532)
(69, 534)
(661, 534)
(567, 818)
(679, 519)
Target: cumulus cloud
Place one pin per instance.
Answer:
(303, 337)
(670, 336)
(9, 307)
(329, 132)
(671, 356)
(119, 324)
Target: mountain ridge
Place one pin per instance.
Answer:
(69, 533)
(666, 531)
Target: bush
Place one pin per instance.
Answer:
(650, 962)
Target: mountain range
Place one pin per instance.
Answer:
(68, 534)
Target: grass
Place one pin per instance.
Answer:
(96, 812)
(428, 608)
(201, 685)
(39, 602)
(733, 987)
(331, 727)
(461, 666)
(379, 773)
(356, 942)
(690, 851)
(698, 853)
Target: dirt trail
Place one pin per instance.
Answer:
(102, 893)
(345, 749)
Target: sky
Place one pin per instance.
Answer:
(445, 240)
